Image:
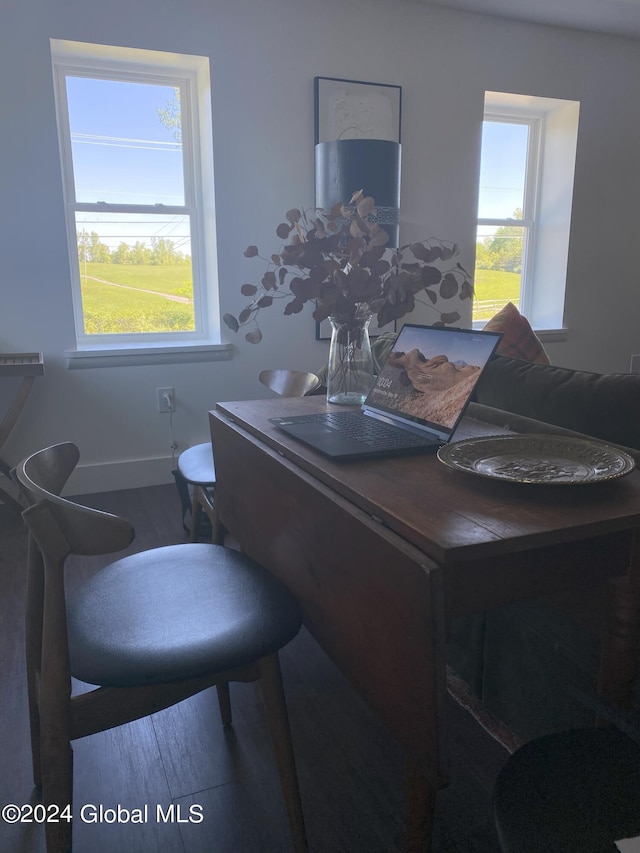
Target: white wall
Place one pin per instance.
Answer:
(264, 56)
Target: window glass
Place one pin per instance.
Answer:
(135, 273)
(125, 141)
(498, 273)
(502, 235)
(503, 168)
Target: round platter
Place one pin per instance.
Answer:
(539, 459)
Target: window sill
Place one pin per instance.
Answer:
(128, 356)
(547, 336)
(552, 336)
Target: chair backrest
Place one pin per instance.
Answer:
(57, 529)
(85, 530)
(290, 383)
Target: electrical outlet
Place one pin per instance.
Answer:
(166, 400)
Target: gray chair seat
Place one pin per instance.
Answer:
(181, 611)
(196, 465)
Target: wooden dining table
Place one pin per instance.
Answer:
(383, 554)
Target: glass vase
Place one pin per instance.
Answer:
(350, 371)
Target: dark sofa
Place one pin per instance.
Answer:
(520, 660)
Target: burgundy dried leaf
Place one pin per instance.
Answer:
(371, 256)
(248, 290)
(293, 215)
(253, 337)
(451, 317)
(449, 286)
(355, 246)
(269, 280)
(282, 274)
(231, 322)
(294, 307)
(427, 254)
(380, 268)
(430, 276)
(466, 290)
(275, 259)
(265, 301)
(244, 315)
(321, 312)
(419, 251)
(283, 230)
(340, 279)
(251, 251)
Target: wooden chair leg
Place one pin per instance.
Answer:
(278, 719)
(34, 725)
(33, 651)
(196, 510)
(224, 701)
(57, 789)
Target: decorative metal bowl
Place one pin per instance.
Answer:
(539, 459)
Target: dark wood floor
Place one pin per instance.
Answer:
(351, 772)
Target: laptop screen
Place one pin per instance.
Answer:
(430, 374)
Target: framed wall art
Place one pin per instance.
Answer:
(357, 146)
(353, 109)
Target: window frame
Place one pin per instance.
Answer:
(531, 187)
(191, 75)
(546, 220)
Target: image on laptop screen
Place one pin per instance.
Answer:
(430, 374)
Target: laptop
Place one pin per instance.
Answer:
(416, 402)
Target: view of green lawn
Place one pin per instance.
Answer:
(150, 298)
(492, 289)
(159, 298)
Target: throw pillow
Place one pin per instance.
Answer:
(518, 340)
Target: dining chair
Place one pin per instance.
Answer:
(196, 464)
(148, 630)
(576, 790)
(198, 470)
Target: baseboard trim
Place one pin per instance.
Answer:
(113, 476)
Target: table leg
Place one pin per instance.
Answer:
(619, 655)
(421, 807)
(218, 530)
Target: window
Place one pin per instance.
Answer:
(524, 206)
(135, 141)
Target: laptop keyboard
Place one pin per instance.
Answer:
(367, 431)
